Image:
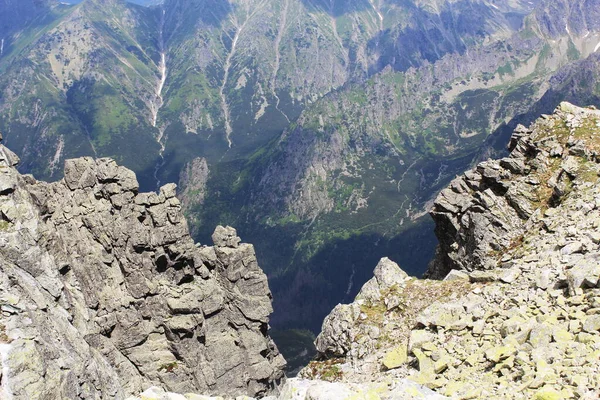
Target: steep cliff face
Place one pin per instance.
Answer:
(103, 292)
(517, 314)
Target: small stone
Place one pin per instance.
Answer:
(478, 327)
(584, 275)
(541, 335)
(482, 276)
(395, 358)
(153, 393)
(429, 347)
(575, 326)
(495, 354)
(592, 324)
(441, 365)
(472, 359)
(511, 325)
(571, 248)
(388, 273)
(443, 314)
(542, 279)
(456, 275)
(562, 335)
(595, 236)
(225, 237)
(547, 394)
(169, 190)
(510, 275)
(425, 364)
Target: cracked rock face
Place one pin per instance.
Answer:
(484, 212)
(104, 293)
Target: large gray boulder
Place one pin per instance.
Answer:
(104, 293)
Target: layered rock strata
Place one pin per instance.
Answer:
(517, 315)
(103, 293)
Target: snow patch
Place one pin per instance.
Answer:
(158, 101)
(162, 68)
(597, 47)
(58, 154)
(227, 66)
(1, 46)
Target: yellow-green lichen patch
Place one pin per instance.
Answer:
(396, 357)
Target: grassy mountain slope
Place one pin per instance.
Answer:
(81, 85)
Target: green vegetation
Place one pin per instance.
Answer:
(4, 225)
(169, 367)
(327, 370)
(544, 54)
(572, 53)
(506, 69)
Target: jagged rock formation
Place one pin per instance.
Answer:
(487, 209)
(518, 312)
(103, 292)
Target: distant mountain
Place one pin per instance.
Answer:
(358, 169)
(323, 126)
(19, 14)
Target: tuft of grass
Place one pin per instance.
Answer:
(328, 370)
(3, 336)
(169, 367)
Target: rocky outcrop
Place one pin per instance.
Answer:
(516, 315)
(192, 181)
(484, 210)
(488, 209)
(103, 292)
